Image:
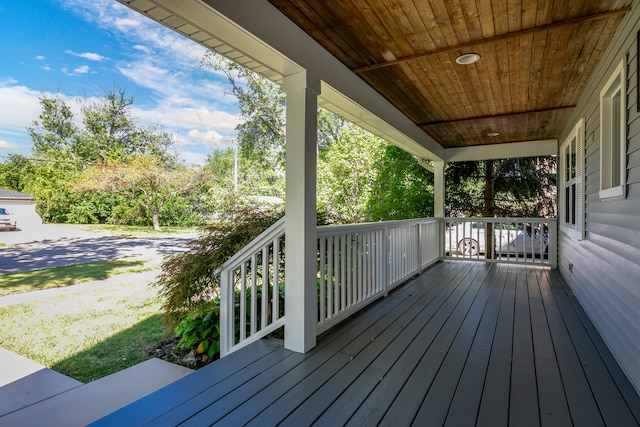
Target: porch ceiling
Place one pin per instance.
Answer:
(536, 58)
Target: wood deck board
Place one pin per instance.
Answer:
(582, 405)
(468, 394)
(553, 409)
(612, 403)
(438, 399)
(377, 402)
(494, 406)
(299, 395)
(463, 344)
(388, 369)
(524, 392)
(408, 401)
(329, 392)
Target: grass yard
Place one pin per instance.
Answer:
(86, 335)
(132, 230)
(57, 277)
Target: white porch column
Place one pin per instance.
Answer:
(301, 308)
(438, 189)
(438, 200)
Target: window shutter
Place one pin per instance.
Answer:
(579, 207)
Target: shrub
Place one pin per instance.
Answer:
(200, 329)
(187, 281)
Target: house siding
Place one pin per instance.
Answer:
(606, 265)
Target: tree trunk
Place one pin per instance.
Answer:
(489, 207)
(155, 217)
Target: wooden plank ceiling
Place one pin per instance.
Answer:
(536, 57)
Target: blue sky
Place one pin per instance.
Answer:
(82, 49)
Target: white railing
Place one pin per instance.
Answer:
(250, 291)
(359, 263)
(515, 240)
(356, 265)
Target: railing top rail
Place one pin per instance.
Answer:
(263, 239)
(502, 219)
(332, 230)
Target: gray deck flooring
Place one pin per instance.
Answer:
(462, 344)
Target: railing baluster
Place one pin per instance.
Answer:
(323, 279)
(276, 282)
(264, 287)
(243, 302)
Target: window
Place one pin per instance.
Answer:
(613, 135)
(572, 182)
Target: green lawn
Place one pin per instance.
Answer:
(72, 274)
(132, 230)
(86, 335)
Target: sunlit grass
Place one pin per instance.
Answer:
(132, 230)
(71, 274)
(86, 335)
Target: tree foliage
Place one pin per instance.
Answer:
(187, 281)
(524, 187)
(403, 189)
(109, 138)
(143, 179)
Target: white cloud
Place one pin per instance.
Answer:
(191, 158)
(39, 58)
(211, 139)
(110, 15)
(7, 145)
(142, 48)
(87, 55)
(186, 101)
(83, 69)
(23, 108)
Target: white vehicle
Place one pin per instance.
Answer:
(468, 239)
(7, 221)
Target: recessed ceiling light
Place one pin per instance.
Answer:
(468, 58)
(493, 134)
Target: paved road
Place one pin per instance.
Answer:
(60, 251)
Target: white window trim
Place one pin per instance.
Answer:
(576, 231)
(610, 88)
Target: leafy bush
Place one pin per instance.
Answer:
(200, 329)
(187, 281)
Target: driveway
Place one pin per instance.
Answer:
(58, 246)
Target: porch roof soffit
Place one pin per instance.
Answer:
(255, 34)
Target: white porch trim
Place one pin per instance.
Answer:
(301, 242)
(543, 147)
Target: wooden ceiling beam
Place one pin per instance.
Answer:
(497, 116)
(603, 15)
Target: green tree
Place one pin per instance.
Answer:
(54, 133)
(110, 132)
(142, 179)
(346, 169)
(402, 190)
(522, 187)
(16, 173)
(261, 135)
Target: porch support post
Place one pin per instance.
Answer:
(302, 92)
(438, 189)
(438, 200)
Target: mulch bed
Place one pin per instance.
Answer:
(167, 350)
